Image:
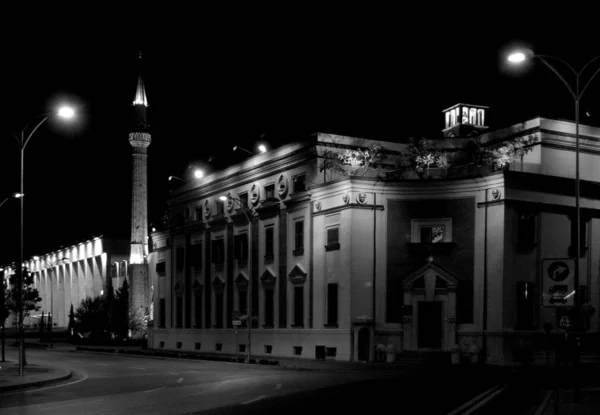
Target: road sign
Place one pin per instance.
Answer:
(558, 288)
(237, 322)
(564, 322)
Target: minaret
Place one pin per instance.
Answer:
(139, 140)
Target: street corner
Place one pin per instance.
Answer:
(34, 376)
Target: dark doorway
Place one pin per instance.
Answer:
(363, 344)
(430, 324)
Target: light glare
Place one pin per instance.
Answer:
(262, 148)
(517, 57)
(198, 174)
(223, 198)
(66, 112)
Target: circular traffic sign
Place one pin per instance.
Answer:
(558, 271)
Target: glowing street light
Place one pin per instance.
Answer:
(576, 94)
(63, 112)
(262, 148)
(198, 174)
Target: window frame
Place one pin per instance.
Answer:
(335, 245)
(417, 224)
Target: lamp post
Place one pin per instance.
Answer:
(261, 148)
(576, 94)
(250, 314)
(23, 140)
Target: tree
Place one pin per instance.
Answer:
(91, 315)
(71, 322)
(30, 297)
(4, 312)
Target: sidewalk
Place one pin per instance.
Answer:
(35, 374)
(588, 403)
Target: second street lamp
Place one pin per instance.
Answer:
(576, 94)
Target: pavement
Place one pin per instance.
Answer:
(38, 374)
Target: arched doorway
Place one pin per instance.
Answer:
(363, 344)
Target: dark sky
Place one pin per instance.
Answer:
(218, 79)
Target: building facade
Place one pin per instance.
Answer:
(66, 277)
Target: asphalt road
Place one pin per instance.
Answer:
(118, 384)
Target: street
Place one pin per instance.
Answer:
(118, 384)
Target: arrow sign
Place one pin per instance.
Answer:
(558, 271)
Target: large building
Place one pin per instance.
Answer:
(443, 244)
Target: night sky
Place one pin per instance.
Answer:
(220, 79)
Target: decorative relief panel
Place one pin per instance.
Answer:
(346, 198)
(361, 198)
(254, 194)
(207, 211)
(229, 203)
(318, 205)
(282, 186)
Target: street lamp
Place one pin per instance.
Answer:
(521, 56)
(51, 314)
(14, 195)
(250, 219)
(261, 148)
(23, 140)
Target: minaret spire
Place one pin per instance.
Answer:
(140, 140)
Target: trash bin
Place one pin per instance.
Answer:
(474, 353)
(390, 351)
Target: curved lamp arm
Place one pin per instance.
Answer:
(592, 77)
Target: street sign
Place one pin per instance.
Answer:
(564, 322)
(237, 322)
(558, 289)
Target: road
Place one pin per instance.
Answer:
(120, 384)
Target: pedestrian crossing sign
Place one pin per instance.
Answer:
(564, 322)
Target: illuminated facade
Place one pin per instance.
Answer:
(69, 275)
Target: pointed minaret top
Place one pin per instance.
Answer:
(140, 93)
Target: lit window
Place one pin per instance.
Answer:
(430, 231)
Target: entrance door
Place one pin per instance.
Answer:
(430, 324)
(363, 344)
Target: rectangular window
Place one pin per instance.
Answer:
(161, 269)
(432, 234)
(243, 199)
(179, 312)
(196, 256)
(198, 310)
(269, 242)
(300, 183)
(243, 302)
(299, 306)
(240, 246)
(220, 207)
(269, 307)
(430, 231)
(525, 305)
(299, 235)
(198, 214)
(269, 191)
(180, 259)
(219, 310)
(218, 251)
(332, 304)
(526, 229)
(162, 313)
(333, 239)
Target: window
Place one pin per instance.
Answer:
(219, 310)
(333, 239)
(297, 350)
(218, 251)
(331, 351)
(218, 347)
(220, 207)
(299, 237)
(332, 304)
(197, 346)
(526, 229)
(243, 301)
(179, 311)
(179, 345)
(196, 256)
(162, 313)
(300, 183)
(198, 214)
(269, 191)
(180, 258)
(268, 348)
(431, 231)
(269, 242)
(299, 306)
(269, 307)
(198, 309)
(161, 269)
(525, 305)
(243, 199)
(240, 246)
(242, 348)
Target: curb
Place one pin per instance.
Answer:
(37, 383)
